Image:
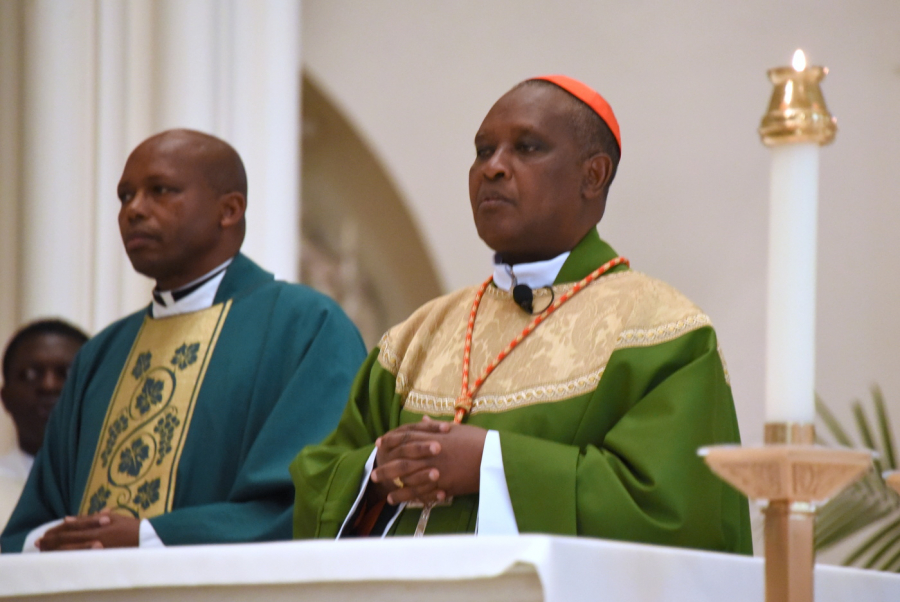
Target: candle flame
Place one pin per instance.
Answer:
(799, 61)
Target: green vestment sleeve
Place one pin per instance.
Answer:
(327, 477)
(631, 471)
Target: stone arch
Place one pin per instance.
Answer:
(360, 244)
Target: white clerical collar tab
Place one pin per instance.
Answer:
(200, 298)
(536, 274)
(194, 284)
(167, 299)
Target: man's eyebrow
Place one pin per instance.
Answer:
(156, 176)
(521, 130)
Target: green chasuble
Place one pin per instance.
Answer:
(600, 413)
(274, 363)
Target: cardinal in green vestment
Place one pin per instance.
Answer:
(567, 395)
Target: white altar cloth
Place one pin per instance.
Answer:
(530, 567)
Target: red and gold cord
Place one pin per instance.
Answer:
(464, 402)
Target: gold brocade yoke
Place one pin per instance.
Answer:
(563, 358)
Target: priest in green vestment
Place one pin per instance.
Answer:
(568, 395)
(178, 422)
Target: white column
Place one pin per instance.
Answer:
(186, 67)
(111, 105)
(134, 290)
(265, 127)
(232, 68)
(125, 105)
(10, 87)
(58, 160)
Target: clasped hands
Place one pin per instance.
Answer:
(93, 532)
(432, 460)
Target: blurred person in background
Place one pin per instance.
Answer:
(35, 366)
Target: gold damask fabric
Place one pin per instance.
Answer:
(148, 419)
(564, 357)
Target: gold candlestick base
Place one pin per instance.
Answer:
(793, 475)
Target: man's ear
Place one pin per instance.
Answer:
(597, 171)
(232, 207)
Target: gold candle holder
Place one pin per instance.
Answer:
(797, 111)
(793, 476)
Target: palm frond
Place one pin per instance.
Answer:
(834, 427)
(871, 542)
(892, 564)
(862, 425)
(884, 424)
(855, 508)
(884, 549)
(868, 500)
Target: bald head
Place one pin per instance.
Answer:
(217, 160)
(183, 194)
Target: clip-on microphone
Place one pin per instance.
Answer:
(524, 297)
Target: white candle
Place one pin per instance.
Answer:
(791, 319)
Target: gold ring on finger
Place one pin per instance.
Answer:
(399, 483)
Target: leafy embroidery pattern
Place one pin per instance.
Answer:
(150, 395)
(117, 428)
(98, 500)
(185, 355)
(141, 365)
(165, 428)
(132, 458)
(147, 494)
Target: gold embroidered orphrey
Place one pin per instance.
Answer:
(148, 419)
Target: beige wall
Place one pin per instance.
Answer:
(688, 82)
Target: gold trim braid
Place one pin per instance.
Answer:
(645, 337)
(149, 416)
(421, 403)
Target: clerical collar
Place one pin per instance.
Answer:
(536, 274)
(193, 296)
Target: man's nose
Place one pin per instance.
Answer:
(52, 380)
(497, 165)
(136, 207)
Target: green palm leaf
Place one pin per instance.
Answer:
(887, 436)
(834, 427)
(868, 500)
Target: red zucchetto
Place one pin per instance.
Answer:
(590, 97)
